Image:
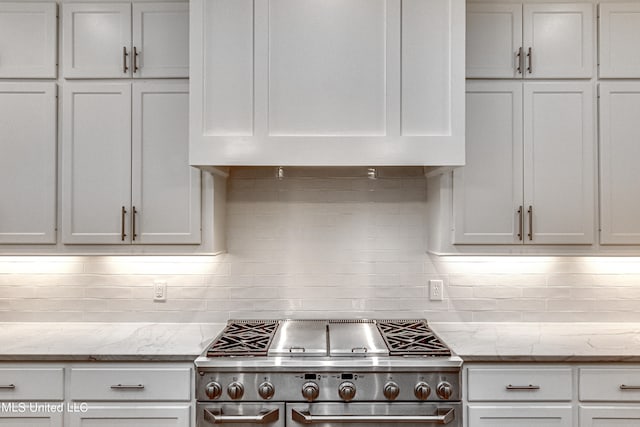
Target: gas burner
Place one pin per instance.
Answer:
(411, 337)
(244, 338)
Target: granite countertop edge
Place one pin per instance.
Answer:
(541, 342)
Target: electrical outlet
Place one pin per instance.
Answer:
(436, 289)
(160, 290)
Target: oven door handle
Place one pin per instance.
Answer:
(215, 416)
(444, 416)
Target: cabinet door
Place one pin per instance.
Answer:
(487, 191)
(96, 40)
(132, 416)
(28, 163)
(561, 40)
(494, 39)
(161, 39)
(619, 172)
(14, 416)
(619, 40)
(609, 416)
(520, 416)
(96, 162)
(28, 40)
(559, 178)
(166, 190)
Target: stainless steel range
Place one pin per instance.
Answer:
(328, 372)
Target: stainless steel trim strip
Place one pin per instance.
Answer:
(263, 417)
(444, 416)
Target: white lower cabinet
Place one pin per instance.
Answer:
(609, 416)
(521, 415)
(29, 418)
(519, 395)
(132, 415)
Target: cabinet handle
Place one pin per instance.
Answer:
(530, 212)
(530, 58)
(133, 223)
(519, 61)
(122, 233)
(520, 223)
(8, 387)
(124, 59)
(127, 387)
(135, 60)
(629, 387)
(522, 387)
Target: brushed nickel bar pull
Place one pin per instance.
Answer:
(629, 387)
(522, 387)
(135, 60)
(530, 58)
(124, 59)
(530, 212)
(442, 416)
(133, 223)
(8, 387)
(127, 387)
(520, 223)
(519, 59)
(266, 416)
(122, 233)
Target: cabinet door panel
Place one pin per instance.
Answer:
(559, 162)
(488, 190)
(520, 416)
(161, 37)
(132, 416)
(28, 418)
(619, 172)
(94, 36)
(28, 40)
(96, 157)
(494, 36)
(166, 190)
(619, 40)
(28, 163)
(561, 39)
(608, 416)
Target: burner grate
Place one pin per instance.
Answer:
(244, 338)
(411, 337)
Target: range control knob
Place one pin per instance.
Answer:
(347, 391)
(422, 390)
(310, 391)
(213, 390)
(266, 390)
(444, 390)
(391, 390)
(235, 390)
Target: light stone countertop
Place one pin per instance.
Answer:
(473, 342)
(542, 342)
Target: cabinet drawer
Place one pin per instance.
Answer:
(523, 415)
(519, 384)
(130, 384)
(32, 384)
(622, 385)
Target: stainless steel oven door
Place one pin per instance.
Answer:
(374, 414)
(240, 414)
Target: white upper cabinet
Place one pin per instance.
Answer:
(27, 162)
(125, 173)
(530, 172)
(114, 40)
(619, 172)
(327, 82)
(619, 40)
(556, 40)
(28, 40)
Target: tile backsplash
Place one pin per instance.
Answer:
(321, 243)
